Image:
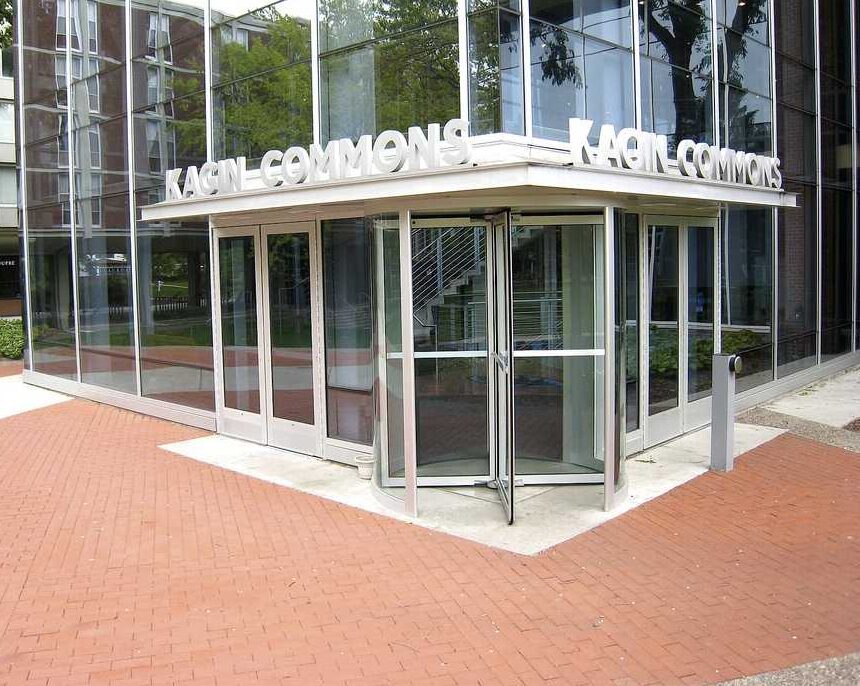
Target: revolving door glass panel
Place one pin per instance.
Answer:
(449, 296)
(557, 276)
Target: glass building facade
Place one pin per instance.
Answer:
(112, 93)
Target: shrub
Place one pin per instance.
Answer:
(11, 338)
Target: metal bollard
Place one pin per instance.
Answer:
(725, 368)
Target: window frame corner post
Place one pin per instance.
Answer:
(410, 448)
(609, 418)
(132, 200)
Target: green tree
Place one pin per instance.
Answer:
(6, 15)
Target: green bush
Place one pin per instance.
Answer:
(11, 338)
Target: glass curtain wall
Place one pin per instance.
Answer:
(496, 100)
(580, 48)
(677, 69)
(45, 163)
(261, 74)
(837, 168)
(101, 217)
(746, 115)
(386, 65)
(797, 147)
(173, 270)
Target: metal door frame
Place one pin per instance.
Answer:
(284, 433)
(241, 424)
(687, 415)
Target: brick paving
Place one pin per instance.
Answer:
(122, 563)
(10, 367)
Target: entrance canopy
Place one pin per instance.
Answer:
(499, 165)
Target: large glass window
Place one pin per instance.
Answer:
(261, 75)
(836, 272)
(677, 70)
(747, 293)
(837, 169)
(175, 313)
(496, 100)
(51, 304)
(797, 147)
(387, 66)
(169, 130)
(348, 305)
(581, 65)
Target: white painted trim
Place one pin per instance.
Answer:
(594, 352)
(207, 79)
(463, 57)
(407, 343)
(132, 201)
(316, 122)
(72, 200)
(621, 185)
(525, 53)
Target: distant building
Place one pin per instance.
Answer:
(10, 261)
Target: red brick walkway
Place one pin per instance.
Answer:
(10, 367)
(121, 563)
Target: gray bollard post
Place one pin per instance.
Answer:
(725, 367)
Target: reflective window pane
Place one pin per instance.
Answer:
(394, 83)
(747, 295)
(606, 19)
(347, 298)
(104, 293)
(239, 323)
(175, 312)
(495, 73)
(676, 103)
(50, 299)
(797, 278)
(700, 311)
(836, 274)
(664, 309)
(291, 327)
(262, 79)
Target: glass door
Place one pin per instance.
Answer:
(241, 405)
(292, 336)
(681, 324)
(502, 433)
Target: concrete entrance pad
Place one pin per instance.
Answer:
(17, 397)
(546, 515)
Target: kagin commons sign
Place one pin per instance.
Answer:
(391, 151)
(649, 152)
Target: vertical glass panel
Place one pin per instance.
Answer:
(389, 266)
(51, 304)
(451, 416)
(495, 72)
(557, 275)
(836, 272)
(239, 323)
(700, 311)
(104, 293)
(173, 272)
(394, 83)
(348, 22)
(348, 329)
(795, 29)
(749, 18)
(631, 276)
(449, 303)
(261, 70)
(558, 414)
(556, 289)
(291, 327)
(797, 291)
(663, 330)
(747, 293)
(567, 63)
(676, 103)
